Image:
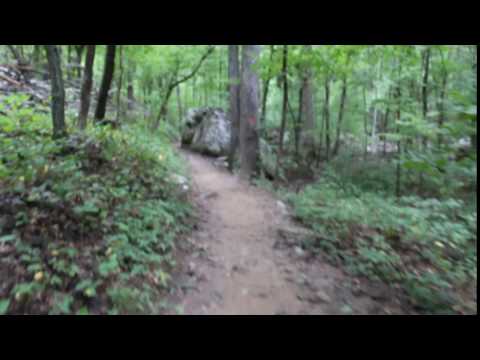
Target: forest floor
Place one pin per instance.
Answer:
(237, 262)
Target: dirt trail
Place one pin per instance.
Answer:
(235, 266)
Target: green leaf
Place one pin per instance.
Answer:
(7, 238)
(83, 311)
(4, 304)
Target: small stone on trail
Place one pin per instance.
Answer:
(282, 207)
(299, 251)
(321, 296)
(191, 269)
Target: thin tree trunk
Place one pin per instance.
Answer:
(341, 112)
(179, 104)
(365, 123)
(130, 93)
(298, 122)
(120, 83)
(58, 91)
(399, 143)
(86, 87)
(426, 71)
(79, 51)
(107, 78)
(327, 119)
(441, 105)
(249, 112)
(234, 108)
(284, 111)
(266, 89)
(69, 62)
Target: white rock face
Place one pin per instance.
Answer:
(208, 131)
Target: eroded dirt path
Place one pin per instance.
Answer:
(236, 267)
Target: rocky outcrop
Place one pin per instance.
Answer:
(207, 131)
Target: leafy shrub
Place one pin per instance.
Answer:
(426, 245)
(84, 215)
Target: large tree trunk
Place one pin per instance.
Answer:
(58, 91)
(86, 87)
(284, 111)
(234, 108)
(107, 78)
(341, 112)
(307, 109)
(249, 141)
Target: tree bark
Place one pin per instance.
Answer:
(58, 91)
(86, 87)
(107, 78)
(266, 88)
(341, 112)
(307, 138)
(79, 49)
(249, 112)
(441, 105)
(120, 83)
(179, 104)
(327, 119)
(234, 108)
(284, 111)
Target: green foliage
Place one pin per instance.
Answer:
(426, 245)
(98, 211)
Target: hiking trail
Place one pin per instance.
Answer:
(235, 266)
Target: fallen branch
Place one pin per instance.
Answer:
(10, 80)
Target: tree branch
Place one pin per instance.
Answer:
(195, 69)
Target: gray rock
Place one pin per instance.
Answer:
(207, 131)
(321, 296)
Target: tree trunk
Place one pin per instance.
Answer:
(298, 123)
(307, 138)
(426, 71)
(399, 143)
(120, 83)
(130, 93)
(365, 123)
(249, 111)
(341, 112)
(179, 103)
(86, 87)
(58, 91)
(327, 119)
(234, 108)
(441, 105)
(79, 51)
(266, 88)
(107, 78)
(69, 62)
(284, 111)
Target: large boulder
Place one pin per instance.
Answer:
(207, 131)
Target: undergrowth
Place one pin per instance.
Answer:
(426, 246)
(87, 223)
